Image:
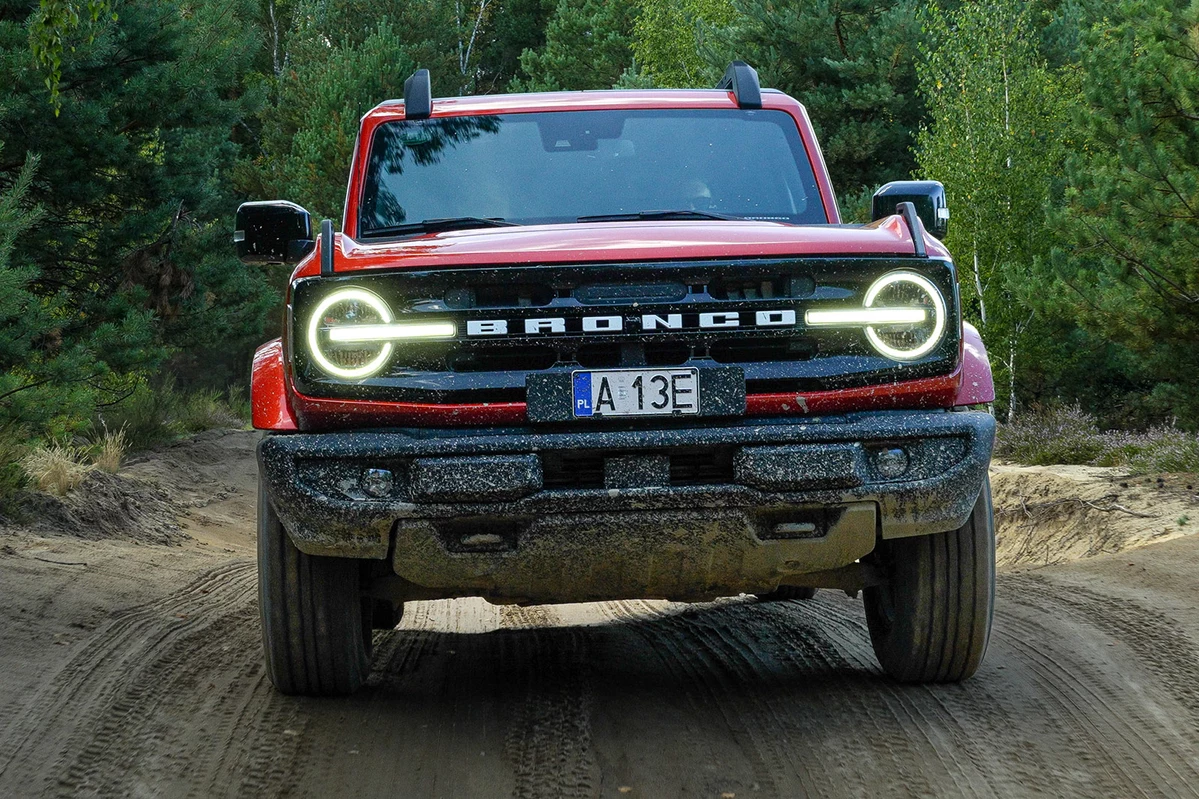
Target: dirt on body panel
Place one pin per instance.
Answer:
(134, 668)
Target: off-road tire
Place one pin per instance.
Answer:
(931, 620)
(785, 592)
(314, 630)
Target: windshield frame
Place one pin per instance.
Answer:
(629, 101)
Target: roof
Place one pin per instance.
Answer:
(580, 100)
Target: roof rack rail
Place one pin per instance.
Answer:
(418, 95)
(742, 80)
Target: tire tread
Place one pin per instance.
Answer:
(931, 621)
(312, 629)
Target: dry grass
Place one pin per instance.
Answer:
(56, 468)
(110, 450)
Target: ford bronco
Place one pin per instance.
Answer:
(601, 345)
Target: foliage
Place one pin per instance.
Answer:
(851, 63)
(995, 138)
(308, 138)
(587, 46)
(109, 449)
(1051, 435)
(667, 37)
(156, 413)
(56, 468)
(1126, 264)
(53, 25)
(118, 270)
(1067, 434)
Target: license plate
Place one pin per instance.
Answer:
(636, 392)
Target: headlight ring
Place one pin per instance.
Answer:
(358, 299)
(906, 281)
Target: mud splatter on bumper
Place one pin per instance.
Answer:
(564, 515)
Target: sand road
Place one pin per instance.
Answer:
(133, 668)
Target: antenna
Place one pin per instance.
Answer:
(418, 96)
(742, 80)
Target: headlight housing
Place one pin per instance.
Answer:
(910, 291)
(344, 310)
(903, 316)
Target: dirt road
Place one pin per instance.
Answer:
(133, 669)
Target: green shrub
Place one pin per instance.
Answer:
(1056, 434)
(12, 476)
(1066, 434)
(154, 415)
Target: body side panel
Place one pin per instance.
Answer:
(269, 394)
(977, 385)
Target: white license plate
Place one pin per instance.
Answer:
(636, 392)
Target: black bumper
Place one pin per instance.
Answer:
(559, 516)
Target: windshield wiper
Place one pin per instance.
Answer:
(651, 215)
(439, 225)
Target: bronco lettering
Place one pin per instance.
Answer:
(647, 323)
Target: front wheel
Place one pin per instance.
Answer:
(931, 620)
(316, 636)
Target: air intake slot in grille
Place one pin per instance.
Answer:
(751, 350)
(503, 359)
(688, 466)
(762, 288)
(598, 356)
(499, 296)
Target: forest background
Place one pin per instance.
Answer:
(1066, 133)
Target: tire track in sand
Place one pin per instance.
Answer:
(155, 699)
(548, 740)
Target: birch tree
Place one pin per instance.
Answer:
(994, 137)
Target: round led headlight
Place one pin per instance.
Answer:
(342, 310)
(906, 291)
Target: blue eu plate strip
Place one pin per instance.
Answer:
(582, 384)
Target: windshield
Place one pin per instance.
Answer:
(557, 167)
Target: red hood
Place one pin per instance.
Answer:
(626, 241)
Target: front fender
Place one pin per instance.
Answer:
(268, 390)
(977, 386)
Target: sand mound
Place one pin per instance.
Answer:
(1052, 514)
(108, 506)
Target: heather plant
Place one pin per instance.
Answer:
(1066, 434)
(1160, 449)
(1051, 435)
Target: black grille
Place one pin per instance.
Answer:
(688, 466)
(675, 297)
(573, 469)
(502, 359)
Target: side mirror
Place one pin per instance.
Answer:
(274, 232)
(927, 195)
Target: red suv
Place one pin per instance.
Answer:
(603, 345)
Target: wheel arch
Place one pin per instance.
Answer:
(271, 409)
(978, 385)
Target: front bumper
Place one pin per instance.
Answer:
(539, 515)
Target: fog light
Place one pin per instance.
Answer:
(378, 482)
(891, 462)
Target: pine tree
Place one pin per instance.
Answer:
(852, 64)
(587, 46)
(667, 39)
(1128, 264)
(133, 186)
(308, 137)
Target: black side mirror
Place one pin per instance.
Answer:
(274, 232)
(927, 195)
